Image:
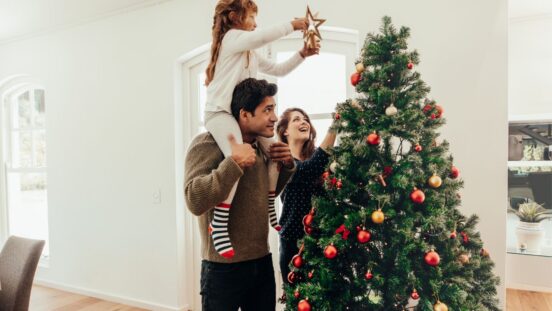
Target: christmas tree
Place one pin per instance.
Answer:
(388, 234)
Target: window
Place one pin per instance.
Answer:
(321, 82)
(25, 162)
(322, 86)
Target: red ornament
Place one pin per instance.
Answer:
(440, 111)
(330, 251)
(373, 139)
(418, 148)
(344, 231)
(453, 235)
(363, 236)
(310, 274)
(292, 277)
(454, 172)
(417, 196)
(432, 258)
(427, 108)
(465, 237)
(307, 220)
(369, 275)
(339, 184)
(410, 65)
(387, 171)
(308, 230)
(296, 294)
(415, 295)
(297, 261)
(325, 175)
(334, 181)
(337, 116)
(355, 78)
(304, 305)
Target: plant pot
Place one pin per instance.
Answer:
(530, 236)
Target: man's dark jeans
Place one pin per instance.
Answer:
(249, 285)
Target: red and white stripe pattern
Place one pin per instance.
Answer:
(219, 231)
(272, 211)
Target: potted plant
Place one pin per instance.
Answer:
(529, 231)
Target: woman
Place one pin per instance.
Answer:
(295, 129)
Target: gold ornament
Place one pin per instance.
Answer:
(439, 306)
(355, 104)
(312, 35)
(435, 181)
(464, 258)
(378, 217)
(391, 110)
(484, 253)
(359, 67)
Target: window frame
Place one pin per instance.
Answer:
(335, 40)
(10, 90)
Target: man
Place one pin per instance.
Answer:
(246, 280)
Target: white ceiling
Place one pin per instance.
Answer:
(22, 18)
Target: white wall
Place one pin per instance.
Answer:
(111, 129)
(530, 66)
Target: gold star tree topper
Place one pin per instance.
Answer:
(312, 35)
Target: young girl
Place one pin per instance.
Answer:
(296, 130)
(233, 59)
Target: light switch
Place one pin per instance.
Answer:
(156, 197)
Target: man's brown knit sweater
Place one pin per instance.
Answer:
(208, 180)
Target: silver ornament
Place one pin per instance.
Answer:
(391, 110)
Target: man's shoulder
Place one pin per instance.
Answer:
(205, 142)
(204, 145)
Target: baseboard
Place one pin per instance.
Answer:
(118, 299)
(529, 287)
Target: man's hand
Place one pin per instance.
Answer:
(243, 154)
(280, 152)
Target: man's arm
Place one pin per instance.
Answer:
(280, 152)
(208, 180)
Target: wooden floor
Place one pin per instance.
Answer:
(48, 299)
(519, 300)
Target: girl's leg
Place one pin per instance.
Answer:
(273, 174)
(220, 125)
